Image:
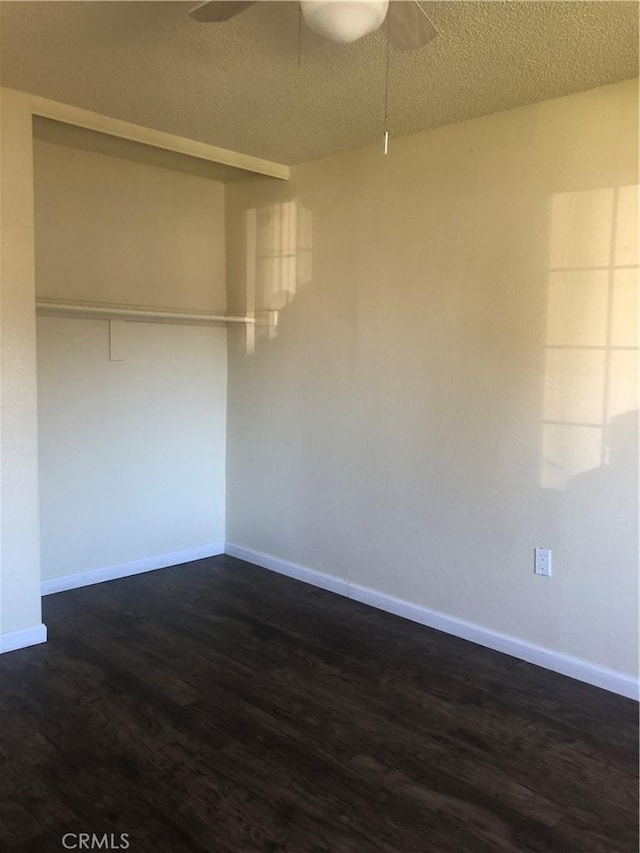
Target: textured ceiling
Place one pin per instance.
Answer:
(238, 84)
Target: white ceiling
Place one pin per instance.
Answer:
(238, 84)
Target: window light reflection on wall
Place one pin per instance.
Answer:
(279, 248)
(591, 347)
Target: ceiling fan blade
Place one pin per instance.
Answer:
(409, 28)
(217, 11)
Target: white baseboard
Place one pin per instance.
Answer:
(291, 570)
(136, 567)
(573, 667)
(11, 641)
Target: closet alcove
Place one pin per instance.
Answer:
(131, 343)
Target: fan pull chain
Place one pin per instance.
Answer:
(299, 35)
(386, 96)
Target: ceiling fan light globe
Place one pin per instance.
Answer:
(344, 21)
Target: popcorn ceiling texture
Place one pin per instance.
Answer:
(238, 85)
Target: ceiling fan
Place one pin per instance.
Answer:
(345, 21)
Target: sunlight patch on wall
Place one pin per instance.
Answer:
(574, 386)
(577, 308)
(568, 451)
(591, 346)
(624, 326)
(279, 249)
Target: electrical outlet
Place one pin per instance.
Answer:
(543, 562)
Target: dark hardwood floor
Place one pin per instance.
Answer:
(219, 707)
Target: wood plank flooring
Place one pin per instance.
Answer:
(218, 707)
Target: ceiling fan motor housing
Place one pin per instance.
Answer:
(344, 21)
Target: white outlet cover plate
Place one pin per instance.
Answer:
(543, 562)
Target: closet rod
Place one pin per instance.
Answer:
(52, 308)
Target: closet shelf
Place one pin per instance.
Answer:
(102, 311)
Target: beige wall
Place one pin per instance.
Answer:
(132, 451)
(19, 536)
(113, 230)
(452, 380)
